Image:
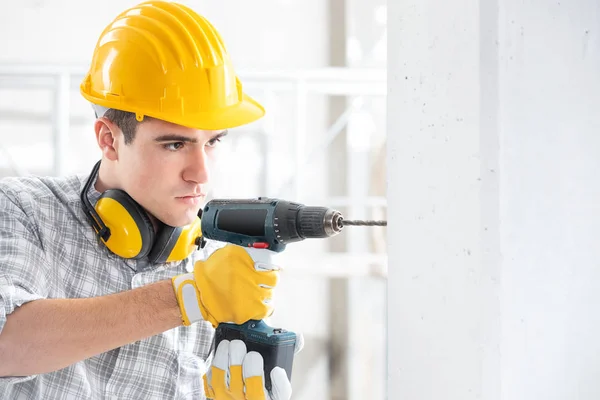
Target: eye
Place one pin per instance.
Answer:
(213, 142)
(174, 146)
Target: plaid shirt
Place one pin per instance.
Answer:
(49, 250)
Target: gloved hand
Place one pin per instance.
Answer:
(236, 374)
(235, 284)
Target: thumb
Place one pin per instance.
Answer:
(199, 271)
(281, 388)
(299, 343)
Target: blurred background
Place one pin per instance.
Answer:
(319, 68)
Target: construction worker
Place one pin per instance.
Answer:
(102, 295)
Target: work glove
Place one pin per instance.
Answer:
(236, 374)
(234, 284)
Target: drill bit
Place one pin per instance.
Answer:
(358, 222)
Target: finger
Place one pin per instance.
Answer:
(281, 388)
(266, 294)
(261, 300)
(207, 378)
(263, 259)
(254, 378)
(237, 352)
(299, 343)
(267, 279)
(220, 367)
(208, 390)
(263, 310)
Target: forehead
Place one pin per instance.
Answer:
(152, 128)
(153, 125)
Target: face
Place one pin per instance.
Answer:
(166, 169)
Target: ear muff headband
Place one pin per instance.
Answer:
(101, 229)
(164, 244)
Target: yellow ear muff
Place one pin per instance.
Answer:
(131, 232)
(175, 243)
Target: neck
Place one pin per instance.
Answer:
(106, 180)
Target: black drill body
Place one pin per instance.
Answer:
(267, 223)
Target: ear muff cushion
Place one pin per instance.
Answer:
(132, 233)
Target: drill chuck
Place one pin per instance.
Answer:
(318, 222)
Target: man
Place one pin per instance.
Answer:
(102, 291)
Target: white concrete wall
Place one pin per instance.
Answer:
(494, 155)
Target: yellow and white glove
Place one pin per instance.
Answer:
(235, 374)
(235, 284)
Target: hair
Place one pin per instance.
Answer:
(126, 122)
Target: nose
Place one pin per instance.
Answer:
(197, 169)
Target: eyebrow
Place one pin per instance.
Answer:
(171, 137)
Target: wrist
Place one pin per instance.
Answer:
(188, 298)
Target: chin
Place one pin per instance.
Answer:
(180, 220)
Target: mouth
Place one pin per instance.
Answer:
(192, 199)
(192, 195)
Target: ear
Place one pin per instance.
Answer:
(106, 136)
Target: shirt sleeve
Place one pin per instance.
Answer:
(22, 262)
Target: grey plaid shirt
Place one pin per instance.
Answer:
(49, 250)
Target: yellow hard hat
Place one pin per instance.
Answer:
(163, 60)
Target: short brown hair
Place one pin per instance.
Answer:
(126, 122)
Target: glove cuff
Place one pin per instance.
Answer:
(188, 298)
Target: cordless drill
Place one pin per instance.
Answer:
(269, 224)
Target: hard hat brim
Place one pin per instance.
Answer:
(244, 112)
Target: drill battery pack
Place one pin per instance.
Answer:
(276, 345)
